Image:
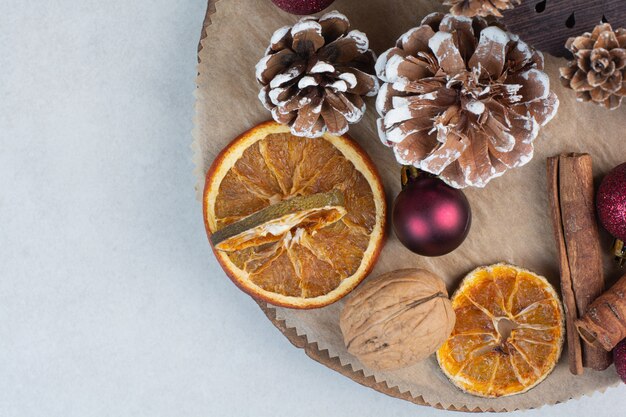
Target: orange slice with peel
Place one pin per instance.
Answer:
(297, 222)
(508, 335)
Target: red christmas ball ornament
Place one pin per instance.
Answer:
(611, 207)
(301, 7)
(429, 217)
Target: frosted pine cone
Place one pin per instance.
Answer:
(598, 72)
(473, 8)
(315, 74)
(462, 99)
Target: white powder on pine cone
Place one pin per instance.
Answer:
(305, 25)
(362, 43)
(279, 34)
(321, 67)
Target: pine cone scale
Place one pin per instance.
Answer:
(454, 175)
(618, 56)
(307, 37)
(416, 40)
(499, 135)
(490, 52)
(606, 39)
(596, 79)
(342, 104)
(281, 116)
(445, 153)
(581, 43)
(613, 102)
(334, 25)
(474, 162)
(447, 53)
(334, 120)
(533, 85)
(281, 39)
(508, 158)
(416, 145)
(272, 65)
(279, 96)
(583, 60)
(287, 78)
(524, 129)
(614, 83)
(342, 50)
(308, 116)
(579, 82)
(599, 95)
(364, 84)
(543, 111)
(398, 132)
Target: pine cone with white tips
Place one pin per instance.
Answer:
(462, 99)
(315, 75)
(598, 71)
(483, 8)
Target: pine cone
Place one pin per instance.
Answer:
(462, 99)
(315, 74)
(598, 72)
(473, 8)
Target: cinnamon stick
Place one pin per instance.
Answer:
(574, 349)
(571, 195)
(604, 323)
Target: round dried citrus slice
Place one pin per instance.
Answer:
(508, 334)
(295, 221)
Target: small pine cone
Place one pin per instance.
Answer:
(597, 73)
(315, 75)
(471, 8)
(462, 99)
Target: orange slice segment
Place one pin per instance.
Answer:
(508, 334)
(302, 254)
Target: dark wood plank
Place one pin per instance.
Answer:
(547, 24)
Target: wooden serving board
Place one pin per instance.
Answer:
(301, 342)
(510, 216)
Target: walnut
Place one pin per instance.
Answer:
(397, 319)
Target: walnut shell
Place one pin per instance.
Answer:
(397, 319)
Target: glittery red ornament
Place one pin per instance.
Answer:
(429, 217)
(301, 7)
(611, 202)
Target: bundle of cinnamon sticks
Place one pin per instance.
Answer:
(571, 196)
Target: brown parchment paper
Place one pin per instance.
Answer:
(510, 222)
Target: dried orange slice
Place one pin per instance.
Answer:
(508, 334)
(294, 221)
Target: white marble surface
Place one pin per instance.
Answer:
(111, 303)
